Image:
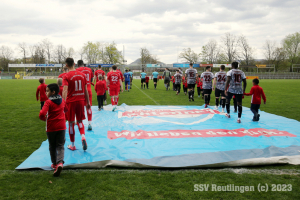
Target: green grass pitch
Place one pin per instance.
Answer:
(21, 133)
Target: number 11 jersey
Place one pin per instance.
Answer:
(76, 82)
(236, 78)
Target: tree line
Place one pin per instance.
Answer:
(46, 52)
(237, 48)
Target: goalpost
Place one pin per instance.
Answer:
(295, 66)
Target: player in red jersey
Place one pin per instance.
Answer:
(89, 76)
(61, 88)
(76, 95)
(97, 73)
(114, 81)
(122, 80)
(66, 70)
(41, 92)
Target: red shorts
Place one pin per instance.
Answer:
(114, 91)
(76, 109)
(90, 96)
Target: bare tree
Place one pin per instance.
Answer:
(147, 58)
(210, 52)
(188, 55)
(59, 53)
(70, 52)
(269, 51)
(48, 47)
(6, 55)
(23, 50)
(246, 52)
(230, 44)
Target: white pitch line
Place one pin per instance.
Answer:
(146, 94)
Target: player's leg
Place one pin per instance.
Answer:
(42, 104)
(147, 85)
(223, 98)
(193, 92)
(105, 97)
(235, 104)
(141, 83)
(60, 149)
(52, 148)
(228, 99)
(198, 91)
(80, 116)
(238, 98)
(71, 118)
(217, 95)
(99, 103)
(178, 88)
(89, 111)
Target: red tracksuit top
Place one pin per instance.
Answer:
(41, 90)
(55, 107)
(257, 92)
(100, 88)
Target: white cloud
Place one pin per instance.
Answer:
(162, 26)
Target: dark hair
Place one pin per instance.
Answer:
(235, 65)
(126, 70)
(256, 81)
(80, 63)
(99, 66)
(191, 64)
(177, 70)
(70, 62)
(53, 87)
(143, 70)
(114, 67)
(207, 67)
(41, 80)
(222, 67)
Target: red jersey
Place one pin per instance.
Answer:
(113, 78)
(55, 107)
(76, 82)
(199, 84)
(99, 72)
(147, 79)
(100, 87)
(62, 75)
(173, 79)
(257, 92)
(121, 75)
(61, 88)
(41, 91)
(88, 74)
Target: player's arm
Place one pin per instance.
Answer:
(44, 111)
(37, 93)
(65, 92)
(227, 84)
(250, 93)
(121, 84)
(244, 85)
(263, 96)
(86, 93)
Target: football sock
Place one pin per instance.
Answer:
(240, 110)
(81, 128)
(208, 99)
(190, 94)
(217, 102)
(228, 107)
(193, 93)
(235, 104)
(154, 85)
(223, 103)
(73, 144)
(72, 132)
(90, 122)
(89, 114)
(112, 101)
(117, 100)
(144, 86)
(205, 99)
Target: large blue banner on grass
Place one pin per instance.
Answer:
(178, 137)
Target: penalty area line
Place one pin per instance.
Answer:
(146, 94)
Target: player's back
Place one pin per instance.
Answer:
(207, 78)
(114, 78)
(76, 81)
(62, 75)
(127, 76)
(177, 78)
(236, 79)
(191, 74)
(221, 80)
(88, 74)
(155, 74)
(99, 72)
